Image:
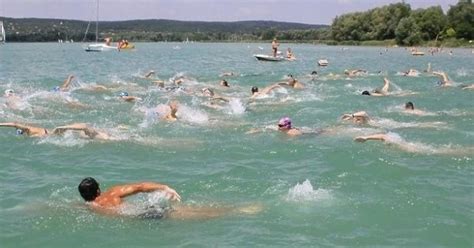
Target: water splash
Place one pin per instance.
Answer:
(191, 115)
(236, 107)
(306, 192)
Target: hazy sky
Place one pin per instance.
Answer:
(303, 11)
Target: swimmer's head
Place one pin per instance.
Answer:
(284, 123)
(123, 94)
(19, 132)
(366, 93)
(254, 89)
(9, 92)
(409, 106)
(224, 83)
(89, 189)
(56, 89)
(314, 73)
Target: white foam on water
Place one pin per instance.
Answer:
(461, 72)
(139, 204)
(66, 140)
(391, 124)
(305, 192)
(151, 117)
(192, 115)
(235, 107)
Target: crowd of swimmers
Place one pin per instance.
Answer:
(108, 200)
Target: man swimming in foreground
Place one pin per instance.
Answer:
(111, 200)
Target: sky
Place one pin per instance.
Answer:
(301, 11)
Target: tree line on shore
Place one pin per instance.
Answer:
(395, 22)
(408, 27)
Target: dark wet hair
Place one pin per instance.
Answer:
(409, 105)
(89, 189)
(254, 89)
(225, 83)
(365, 92)
(314, 73)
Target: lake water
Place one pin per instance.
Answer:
(316, 190)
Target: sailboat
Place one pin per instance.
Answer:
(3, 35)
(98, 47)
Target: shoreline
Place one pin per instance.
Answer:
(386, 44)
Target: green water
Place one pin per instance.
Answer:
(349, 194)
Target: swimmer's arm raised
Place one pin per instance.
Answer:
(144, 187)
(67, 82)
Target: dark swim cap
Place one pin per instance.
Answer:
(365, 92)
(254, 89)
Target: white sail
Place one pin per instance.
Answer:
(98, 47)
(3, 36)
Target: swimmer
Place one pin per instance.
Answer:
(31, 131)
(171, 115)
(66, 84)
(149, 74)
(213, 96)
(284, 125)
(395, 139)
(293, 83)
(227, 74)
(224, 83)
(111, 200)
(85, 130)
(411, 73)
(265, 91)
(289, 55)
(124, 96)
(379, 92)
(410, 109)
(445, 82)
(356, 72)
(359, 118)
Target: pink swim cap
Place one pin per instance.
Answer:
(285, 122)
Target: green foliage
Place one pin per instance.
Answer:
(407, 27)
(408, 32)
(32, 29)
(461, 18)
(450, 32)
(431, 22)
(375, 24)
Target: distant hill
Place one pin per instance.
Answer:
(35, 29)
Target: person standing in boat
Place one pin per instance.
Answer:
(275, 45)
